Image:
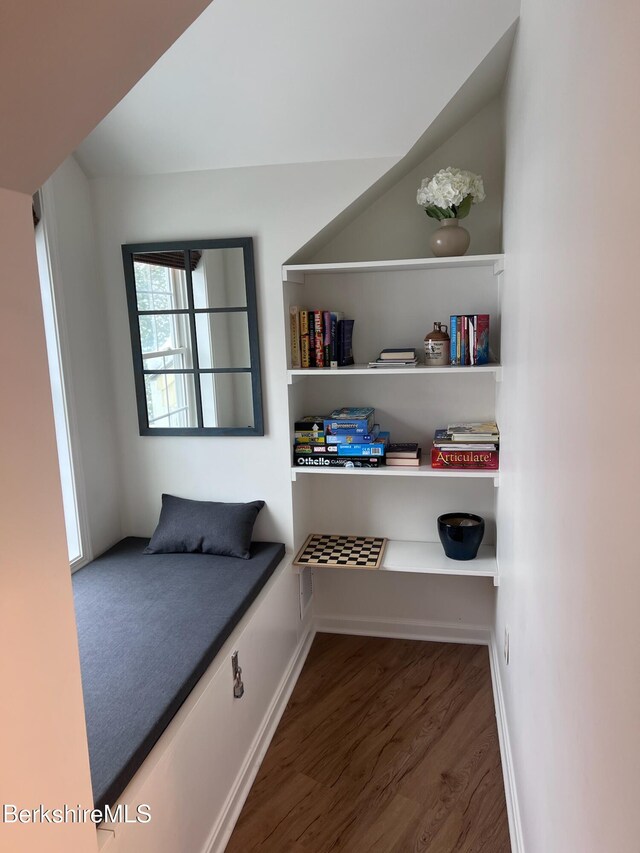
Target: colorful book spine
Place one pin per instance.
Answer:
(305, 359)
(294, 325)
(453, 327)
(312, 340)
(319, 338)
(307, 461)
(446, 457)
(464, 343)
(469, 339)
(482, 338)
(335, 316)
(473, 348)
(326, 337)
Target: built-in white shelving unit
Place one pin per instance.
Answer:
(428, 558)
(394, 303)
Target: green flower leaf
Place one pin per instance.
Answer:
(464, 208)
(434, 212)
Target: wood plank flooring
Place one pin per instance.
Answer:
(386, 746)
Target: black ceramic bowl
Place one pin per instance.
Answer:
(461, 534)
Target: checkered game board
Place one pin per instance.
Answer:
(348, 552)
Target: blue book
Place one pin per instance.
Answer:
(453, 330)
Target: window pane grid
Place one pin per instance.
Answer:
(191, 370)
(151, 311)
(169, 362)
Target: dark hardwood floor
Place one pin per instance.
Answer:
(386, 746)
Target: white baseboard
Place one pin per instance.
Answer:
(513, 810)
(407, 629)
(223, 827)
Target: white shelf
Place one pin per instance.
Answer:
(428, 558)
(401, 471)
(297, 272)
(419, 370)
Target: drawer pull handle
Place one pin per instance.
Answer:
(238, 684)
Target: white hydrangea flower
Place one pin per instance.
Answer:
(449, 187)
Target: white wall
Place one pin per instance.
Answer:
(395, 227)
(281, 208)
(81, 306)
(42, 734)
(569, 494)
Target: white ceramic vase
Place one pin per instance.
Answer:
(450, 239)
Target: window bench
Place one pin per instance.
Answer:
(148, 628)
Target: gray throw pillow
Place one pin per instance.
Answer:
(204, 527)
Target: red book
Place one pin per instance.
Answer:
(449, 457)
(319, 338)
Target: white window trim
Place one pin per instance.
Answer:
(61, 342)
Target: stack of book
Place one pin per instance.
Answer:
(469, 339)
(400, 357)
(401, 455)
(470, 445)
(320, 338)
(346, 438)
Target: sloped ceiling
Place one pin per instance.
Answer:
(256, 83)
(483, 86)
(64, 65)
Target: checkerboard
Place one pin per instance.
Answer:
(347, 552)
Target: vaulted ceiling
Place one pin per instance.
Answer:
(253, 83)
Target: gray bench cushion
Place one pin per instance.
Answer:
(148, 627)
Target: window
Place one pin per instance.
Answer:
(194, 337)
(165, 346)
(76, 541)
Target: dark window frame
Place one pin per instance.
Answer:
(129, 250)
